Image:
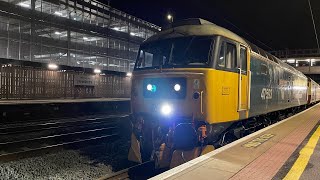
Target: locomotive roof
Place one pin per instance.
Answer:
(201, 27)
(190, 27)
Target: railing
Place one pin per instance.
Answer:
(34, 83)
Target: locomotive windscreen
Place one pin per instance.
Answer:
(192, 51)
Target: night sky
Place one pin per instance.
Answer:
(272, 24)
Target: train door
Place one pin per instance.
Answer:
(290, 89)
(243, 82)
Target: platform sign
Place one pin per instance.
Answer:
(83, 80)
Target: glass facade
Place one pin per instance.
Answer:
(84, 33)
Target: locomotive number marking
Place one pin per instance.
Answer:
(225, 90)
(258, 141)
(266, 93)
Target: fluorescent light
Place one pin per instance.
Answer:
(116, 28)
(23, 4)
(85, 38)
(129, 74)
(52, 66)
(57, 33)
(58, 13)
(290, 60)
(97, 71)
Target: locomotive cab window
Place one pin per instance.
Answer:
(188, 51)
(243, 59)
(227, 56)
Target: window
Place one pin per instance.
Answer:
(243, 58)
(227, 56)
(221, 59)
(176, 52)
(264, 69)
(263, 53)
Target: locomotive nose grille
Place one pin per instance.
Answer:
(169, 88)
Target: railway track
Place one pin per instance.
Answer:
(21, 141)
(56, 124)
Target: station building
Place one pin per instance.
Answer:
(67, 49)
(84, 33)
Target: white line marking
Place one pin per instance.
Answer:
(204, 157)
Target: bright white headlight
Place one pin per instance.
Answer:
(149, 87)
(177, 87)
(166, 109)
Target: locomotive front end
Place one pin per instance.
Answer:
(168, 97)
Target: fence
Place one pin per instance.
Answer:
(35, 83)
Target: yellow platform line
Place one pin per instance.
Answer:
(304, 157)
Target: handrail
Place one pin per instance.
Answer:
(239, 90)
(201, 101)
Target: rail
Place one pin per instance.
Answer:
(16, 142)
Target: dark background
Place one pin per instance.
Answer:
(271, 24)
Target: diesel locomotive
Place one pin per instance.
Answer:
(197, 86)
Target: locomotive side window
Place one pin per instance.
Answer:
(221, 58)
(231, 56)
(243, 58)
(264, 69)
(227, 56)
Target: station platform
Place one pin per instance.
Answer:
(289, 149)
(49, 101)
(20, 110)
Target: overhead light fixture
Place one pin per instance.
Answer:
(116, 28)
(170, 17)
(52, 66)
(57, 33)
(129, 74)
(85, 38)
(97, 71)
(290, 60)
(132, 34)
(58, 13)
(23, 4)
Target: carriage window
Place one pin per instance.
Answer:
(243, 58)
(227, 56)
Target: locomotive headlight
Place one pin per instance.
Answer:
(151, 87)
(166, 109)
(177, 87)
